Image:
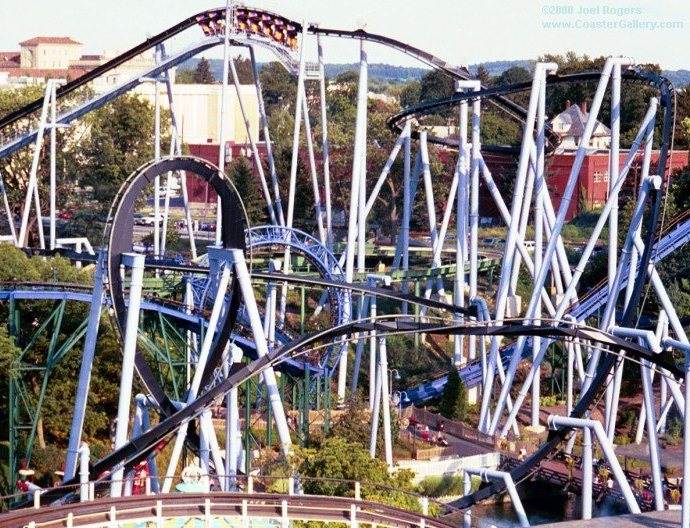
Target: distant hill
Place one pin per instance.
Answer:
(679, 78)
(401, 74)
(498, 67)
(385, 72)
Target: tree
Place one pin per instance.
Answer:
(435, 85)
(120, 140)
(15, 168)
(410, 94)
(203, 73)
(348, 76)
(514, 75)
(339, 459)
(245, 72)
(278, 86)
(454, 399)
(483, 75)
(248, 188)
(682, 132)
(184, 76)
(52, 428)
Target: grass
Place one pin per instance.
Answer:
(442, 486)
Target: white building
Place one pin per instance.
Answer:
(570, 126)
(198, 110)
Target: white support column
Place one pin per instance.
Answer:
(233, 433)
(430, 204)
(361, 137)
(223, 113)
(325, 146)
(461, 169)
(32, 187)
(135, 262)
(353, 229)
(563, 209)
(53, 171)
(252, 144)
(294, 165)
(385, 403)
(312, 171)
(406, 213)
(156, 156)
(263, 123)
(84, 455)
(372, 353)
(84, 382)
(613, 230)
(215, 254)
(556, 422)
(473, 215)
(539, 198)
(507, 264)
(652, 437)
(359, 352)
(487, 475)
(8, 211)
(242, 274)
(587, 473)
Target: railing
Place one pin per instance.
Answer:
(574, 484)
(250, 496)
(456, 429)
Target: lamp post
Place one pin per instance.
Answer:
(390, 378)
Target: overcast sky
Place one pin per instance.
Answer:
(459, 31)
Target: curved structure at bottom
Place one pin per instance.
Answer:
(222, 510)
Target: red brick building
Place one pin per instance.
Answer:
(593, 180)
(200, 191)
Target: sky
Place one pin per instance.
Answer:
(458, 31)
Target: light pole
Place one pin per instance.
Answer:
(390, 379)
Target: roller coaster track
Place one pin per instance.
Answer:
(194, 320)
(134, 451)
(150, 508)
(676, 235)
(203, 20)
(396, 122)
(120, 241)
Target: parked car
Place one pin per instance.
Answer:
(149, 220)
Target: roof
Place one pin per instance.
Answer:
(34, 73)
(49, 40)
(9, 60)
(573, 120)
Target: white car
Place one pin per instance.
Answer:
(149, 220)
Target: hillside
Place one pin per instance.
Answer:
(401, 74)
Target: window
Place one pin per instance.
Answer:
(597, 177)
(606, 176)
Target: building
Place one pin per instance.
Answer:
(49, 53)
(570, 126)
(199, 191)
(593, 180)
(592, 189)
(198, 111)
(61, 58)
